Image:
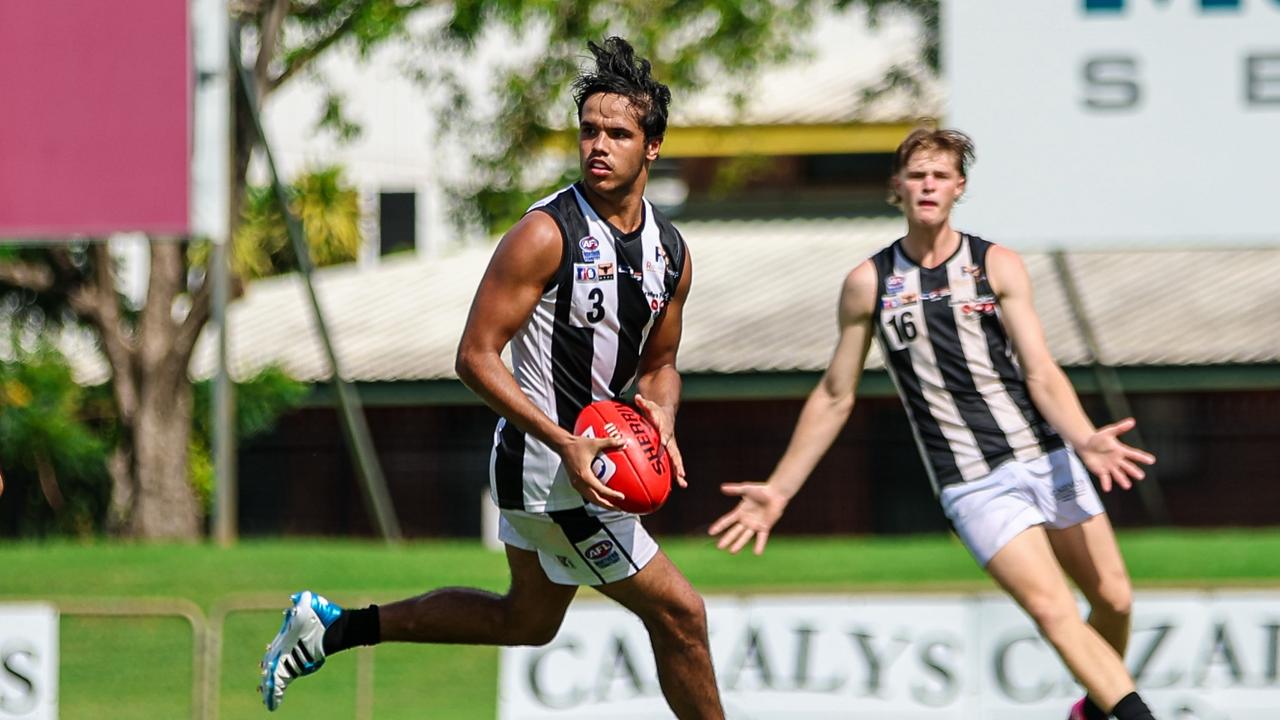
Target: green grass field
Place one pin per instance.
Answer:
(125, 668)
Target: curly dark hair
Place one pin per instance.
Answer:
(618, 71)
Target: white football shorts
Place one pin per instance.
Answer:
(581, 546)
(1053, 490)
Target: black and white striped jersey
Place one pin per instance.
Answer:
(582, 342)
(953, 364)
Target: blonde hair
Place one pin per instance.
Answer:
(929, 138)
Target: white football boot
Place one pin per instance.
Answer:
(298, 649)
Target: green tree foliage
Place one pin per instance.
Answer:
(54, 460)
(693, 45)
(260, 402)
(55, 439)
(329, 209)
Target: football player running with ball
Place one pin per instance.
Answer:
(999, 427)
(588, 289)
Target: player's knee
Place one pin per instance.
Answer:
(684, 618)
(527, 624)
(532, 631)
(1052, 616)
(1115, 598)
(541, 634)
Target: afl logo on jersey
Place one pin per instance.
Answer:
(590, 248)
(894, 284)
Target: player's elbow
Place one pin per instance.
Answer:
(840, 406)
(833, 406)
(466, 363)
(1046, 377)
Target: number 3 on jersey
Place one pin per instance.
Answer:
(596, 313)
(904, 329)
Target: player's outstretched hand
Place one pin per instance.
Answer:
(577, 455)
(1111, 460)
(757, 511)
(663, 419)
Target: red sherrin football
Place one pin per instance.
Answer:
(642, 470)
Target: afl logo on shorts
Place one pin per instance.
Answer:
(602, 554)
(599, 550)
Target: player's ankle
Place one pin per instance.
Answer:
(1093, 712)
(353, 628)
(1132, 707)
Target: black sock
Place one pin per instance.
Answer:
(1093, 712)
(352, 628)
(1131, 707)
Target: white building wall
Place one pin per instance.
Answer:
(397, 150)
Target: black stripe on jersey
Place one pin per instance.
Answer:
(1001, 351)
(571, 354)
(673, 242)
(508, 467)
(572, 348)
(577, 527)
(563, 274)
(883, 262)
(633, 307)
(936, 449)
(633, 312)
(956, 375)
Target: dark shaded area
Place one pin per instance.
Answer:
(1219, 466)
(397, 221)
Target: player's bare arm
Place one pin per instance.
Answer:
(1100, 449)
(824, 414)
(658, 384)
(524, 262)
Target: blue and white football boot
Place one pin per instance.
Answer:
(298, 649)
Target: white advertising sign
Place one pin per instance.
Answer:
(28, 662)
(1104, 123)
(1196, 656)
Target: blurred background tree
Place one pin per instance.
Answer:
(329, 208)
(54, 459)
(260, 401)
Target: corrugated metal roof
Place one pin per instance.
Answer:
(1183, 307)
(764, 299)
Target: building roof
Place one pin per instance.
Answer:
(764, 300)
(826, 84)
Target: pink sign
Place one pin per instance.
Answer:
(95, 115)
